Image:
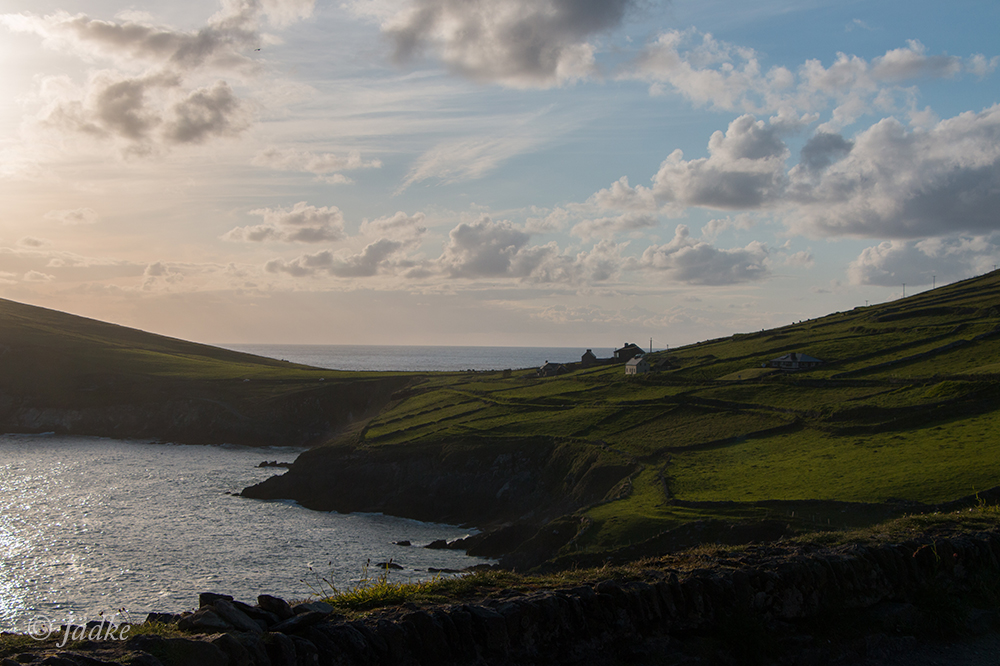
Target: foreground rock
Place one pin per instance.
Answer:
(788, 604)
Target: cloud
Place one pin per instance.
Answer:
(325, 166)
(822, 150)
(29, 241)
(724, 76)
(466, 159)
(744, 170)
(892, 263)
(913, 62)
(609, 226)
(301, 223)
(73, 217)
(621, 196)
(697, 262)
(895, 183)
(487, 249)
(163, 87)
(399, 226)
(378, 257)
(516, 43)
(37, 276)
(206, 113)
(159, 273)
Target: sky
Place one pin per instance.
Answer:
(492, 172)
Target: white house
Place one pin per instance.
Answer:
(637, 366)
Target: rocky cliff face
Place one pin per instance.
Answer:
(200, 413)
(471, 481)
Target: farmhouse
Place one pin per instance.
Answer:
(588, 358)
(637, 366)
(628, 350)
(794, 361)
(551, 370)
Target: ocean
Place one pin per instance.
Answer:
(92, 526)
(419, 358)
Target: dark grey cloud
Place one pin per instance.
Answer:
(521, 43)
(206, 113)
(823, 149)
(168, 104)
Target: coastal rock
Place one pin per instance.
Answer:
(209, 598)
(299, 622)
(313, 607)
(275, 605)
(181, 651)
(204, 620)
(237, 618)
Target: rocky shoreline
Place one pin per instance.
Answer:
(778, 603)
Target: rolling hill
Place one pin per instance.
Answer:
(69, 374)
(902, 415)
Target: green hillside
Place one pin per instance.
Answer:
(904, 409)
(69, 374)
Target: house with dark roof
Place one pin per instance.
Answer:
(588, 359)
(794, 361)
(551, 370)
(628, 350)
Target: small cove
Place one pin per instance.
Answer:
(92, 525)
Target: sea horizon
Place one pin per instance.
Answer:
(419, 358)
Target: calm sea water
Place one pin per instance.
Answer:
(421, 359)
(91, 525)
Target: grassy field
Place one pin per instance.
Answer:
(904, 408)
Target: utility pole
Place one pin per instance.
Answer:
(933, 281)
(904, 290)
(651, 345)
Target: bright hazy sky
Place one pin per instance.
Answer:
(492, 172)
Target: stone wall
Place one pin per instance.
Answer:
(782, 589)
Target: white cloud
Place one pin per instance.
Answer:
(621, 196)
(725, 76)
(895, 183)
(892, 263)
(697, 262)
(397, 227)
(913, 62)
(325, 166)
(609, 226)
(302, 223)
(517, 43)
(744, 170)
